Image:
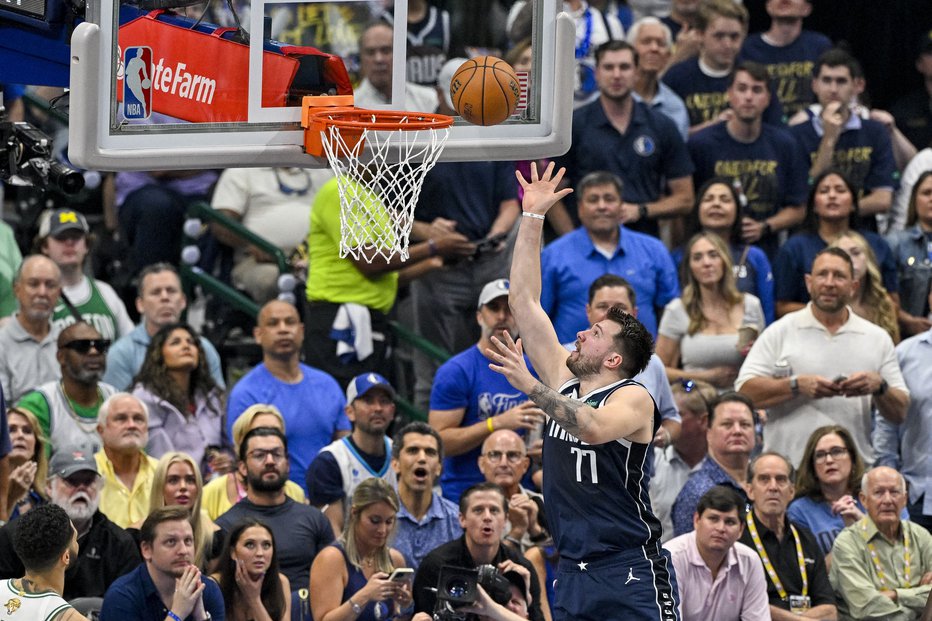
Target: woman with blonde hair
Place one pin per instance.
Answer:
(705, 333)
(28, 463)
(177, 481)
(223, 492)
(873, 303)
(350, 578)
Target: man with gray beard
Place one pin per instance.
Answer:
(67, 409)
(105, 551)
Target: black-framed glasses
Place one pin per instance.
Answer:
(836, 453)
(690, 386)
(83, 346)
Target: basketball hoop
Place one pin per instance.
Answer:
(379, 188)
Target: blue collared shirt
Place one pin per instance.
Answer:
(667, 102)
(415, 539)
(572, 262)
(133, 597)
(914, 356)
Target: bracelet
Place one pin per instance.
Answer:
(431, 248)
(536, 216)
(488, 423)
(173, 616)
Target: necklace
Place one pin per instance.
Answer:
(87, 425)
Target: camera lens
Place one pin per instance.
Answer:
(457, 587)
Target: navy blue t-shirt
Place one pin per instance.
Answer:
(795, 259)
(650, 152)
(790, 67)
(773, 170)
(470, 193)
(704, 95)
(597, 501)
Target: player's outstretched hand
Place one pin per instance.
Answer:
(540, 193)
(508, 359)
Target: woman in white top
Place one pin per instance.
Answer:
(699, 332)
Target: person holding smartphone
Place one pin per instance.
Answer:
(357, 577)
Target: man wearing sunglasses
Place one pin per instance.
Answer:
(504, 461)
(67, 408)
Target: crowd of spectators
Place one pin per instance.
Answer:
(734, 191)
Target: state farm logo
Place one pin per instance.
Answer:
(182, 83)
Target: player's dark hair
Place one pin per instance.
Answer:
(838, 252)
(757, 71)
(612, 280)
(598, 179)
(790, 469)
(633, 341)
(42, 536)
(837, 57)
(911, 215)
(485, 486)
(811, 222)
(171, 513)
(613, 46)
(419, 427)
(724, 499)
(730, 397)
(263, 432)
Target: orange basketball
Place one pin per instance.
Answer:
(485, 90)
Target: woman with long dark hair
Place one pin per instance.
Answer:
(718, 210)
(913, 251)
(833, 210)
(252, 586)
(185, 404)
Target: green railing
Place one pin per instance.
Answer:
(193, 275)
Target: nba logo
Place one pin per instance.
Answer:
(137, 83)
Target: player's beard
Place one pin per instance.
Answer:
(260, 484)
(583, 367)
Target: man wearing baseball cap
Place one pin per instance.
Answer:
(469, 401)
(64, 238)
(105, 551)
(366, 452)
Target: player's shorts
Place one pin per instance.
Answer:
(636, 584)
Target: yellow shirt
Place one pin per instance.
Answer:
(215, 502)
(336, 280)
(122, 505)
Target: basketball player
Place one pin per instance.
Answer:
(597, 441)
(47, 543)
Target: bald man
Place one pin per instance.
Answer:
(882, 564)
(504, 461)
(311, 401)
(28, 340)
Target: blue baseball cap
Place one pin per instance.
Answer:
(361, 384)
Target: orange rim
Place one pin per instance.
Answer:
(384, 120)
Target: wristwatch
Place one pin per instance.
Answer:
(794, 385)
(766, 229)
(642, 211)
(883, 388)
(357, 609)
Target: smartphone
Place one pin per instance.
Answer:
(840, 379)
(402, 574)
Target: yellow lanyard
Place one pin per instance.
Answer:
(876, 559)
(800, 558)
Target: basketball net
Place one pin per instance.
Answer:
(379, 186)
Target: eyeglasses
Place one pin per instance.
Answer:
(689, 386)
(512, 456)
(83, 346)
(260, 455)
(836, 453)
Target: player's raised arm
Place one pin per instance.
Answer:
(540, 340)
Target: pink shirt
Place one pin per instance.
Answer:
(738, 593)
